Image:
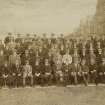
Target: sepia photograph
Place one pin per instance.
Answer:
(52, 52)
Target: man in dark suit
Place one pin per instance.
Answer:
(37, 73)
(48, 72)
(101, 72)
(5, 75)
(2, 57)
(17, 74)
(85, 72)
(8, 38)
(53, 39)
(66, 73)
(93, 71)
(75, 73)
(25, 57)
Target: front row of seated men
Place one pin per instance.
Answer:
(47, 74)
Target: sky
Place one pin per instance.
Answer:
(43, 16)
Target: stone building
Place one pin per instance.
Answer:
(100, 16)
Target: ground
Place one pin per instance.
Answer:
(92, 95)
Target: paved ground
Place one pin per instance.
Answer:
(53, 96)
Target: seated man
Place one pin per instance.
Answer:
(67, 60)
(48, 71)
(27, 73)
(17, 74)
(75, 73)
(13, 75)
(75, 67)
(5, 75)
(66, 73)
(93, 71)
(59, 72)
(37, 73)
(101, 72)
(85, 72)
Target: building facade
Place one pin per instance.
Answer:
(100, 16)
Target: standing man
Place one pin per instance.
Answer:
(25, 57)
(2, 58)
(13, 58)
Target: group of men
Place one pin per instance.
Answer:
(51, 61)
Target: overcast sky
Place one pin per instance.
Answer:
(58, 16)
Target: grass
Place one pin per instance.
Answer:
(92, 95)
